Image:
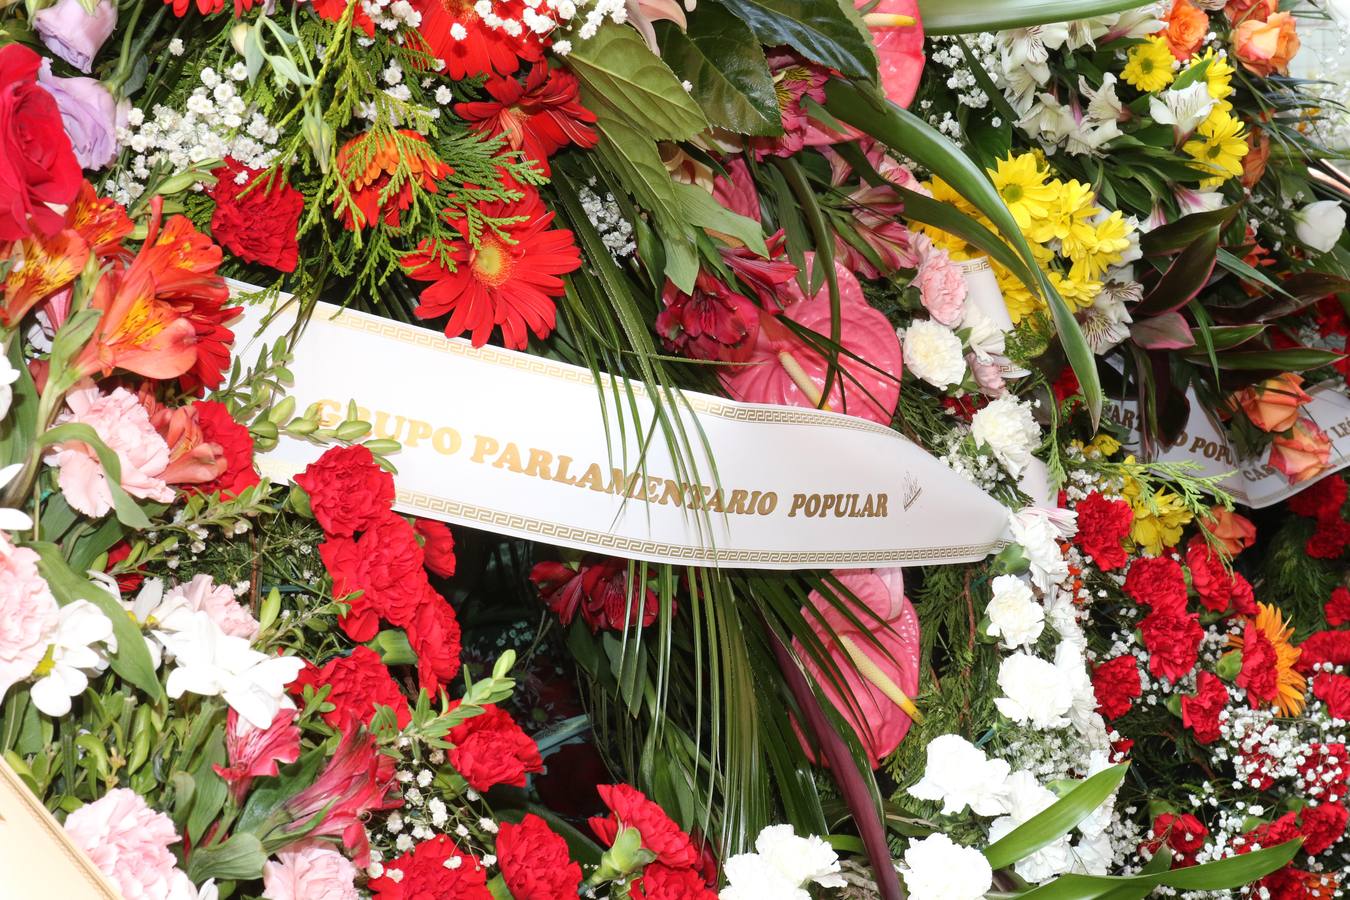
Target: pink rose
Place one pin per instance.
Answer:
(129, 842)
(28, 612)
(942, 287)
(125, 427)
(309, 871)
(217, 601)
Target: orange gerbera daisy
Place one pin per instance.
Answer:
(370, 162)
(1268, 659)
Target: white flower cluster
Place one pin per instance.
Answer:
(215, 123)
(392, 15)
(947, 53)
(783, 865)
(615, 231)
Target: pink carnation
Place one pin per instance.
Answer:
(124, 425)
(202, 594)
(129, 842)
(942, 288)
(28, 613)
(309, 871)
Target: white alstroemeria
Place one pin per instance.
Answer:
(1087, 138)
(1136, 23)
(938, 868)
(1027, 798)
(1035, 692)
(1020, 88)
(1007, 428)
(1103, 104)
(12, 519)
(71, 656)
(782, 866)
(212, 663)
(1108, 320)
(1184, 110)
(1198, 201)
(1048, 120)
(1029, 48)
(1319, 225)
(959, 774)
(1014, 615)
(8, 375)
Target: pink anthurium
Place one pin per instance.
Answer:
(898, 33)
(877, 681)
(783, 369)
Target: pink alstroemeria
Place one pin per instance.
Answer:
(253, 752)
(357, 781)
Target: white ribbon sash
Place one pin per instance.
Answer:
(533, 448)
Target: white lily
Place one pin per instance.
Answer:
(1184, 110)
(12, 519)
(71, 656)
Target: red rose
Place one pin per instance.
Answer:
(1185, 834)
(438, 546)
(535, 863)
(1103, 526)
(1157, 582)
(1172, 638)
(1322, 826)
(1334, 691)
(1200, 712)
(434, 636)
(38, 170)
(660, 882)
(1337, 608)
(1116, 684)
(1329, 540)
(256, 215)
(630, 808)
(347, 490)
(358, 684)
(424, 875)
(1324, 647)
(219, 427)
(491, 749)
(1218, 589)
(1321, 501)
(385, 564)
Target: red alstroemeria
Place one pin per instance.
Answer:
(193, 459)
(713, 323)
(368, 162)
(509, 280)
(358, 781)
(538, 117)
(765, 276)
(253, 752)
(457, 35)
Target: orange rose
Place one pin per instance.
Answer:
(1265, 48)
(1237, 10)
(1254, 163)
(1302, 454)
(1273, 405)
(1186, 29)
(1236, 533)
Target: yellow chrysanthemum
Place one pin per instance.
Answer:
(1159, 524)
(1069, 218)
(1219, 74)
(1290, 685)
(1218, 146)
(1021, 183)
(1102, 446)
(1149, 66)
(1078, 294)
(1019, 299)
(1109, 241)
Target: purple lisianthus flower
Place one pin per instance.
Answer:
(73, 33)
(90, 114)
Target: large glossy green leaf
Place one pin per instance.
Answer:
(619, 73)
(826, 31)
(1187, 275)
(701, 209)
(1052, 823)
(1295, 359)
(965, 16)
(721, 57)
(1224, 874)
(864, 108)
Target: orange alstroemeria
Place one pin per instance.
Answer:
(40, 266)
(101, 221)
(192, 458)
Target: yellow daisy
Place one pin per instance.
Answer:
(1021, 184)
(1149, 66)
(1219, 145)
(1019, 299)
(1069, 218)
(1110, 239)
(1078, 294)
(1219, 75)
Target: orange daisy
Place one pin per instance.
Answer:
(1268, 659)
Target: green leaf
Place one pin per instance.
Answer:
(909, 135)
(720, 56)
(699, 208)
(128, 513)
(19, 426)
(1049, 825)
(241, 858)
(208, 797)
(1187, 275)
(1296, 359)
(1220, 875)
(1183, 232)
(966, 16)
(829, 32)
(132, 660)
(621, 75)
(1226, 337)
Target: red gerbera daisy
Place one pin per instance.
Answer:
(509, 279)
(470, 44)
(539, 117)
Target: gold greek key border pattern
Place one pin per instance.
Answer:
(978, 264)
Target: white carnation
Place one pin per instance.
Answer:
(1027, 798)
(959, 774)
(938, 868)
(1014, 614)
(1007, 428)
(1035, 692)
(781, 867)
(1038, 533)
(933, 352)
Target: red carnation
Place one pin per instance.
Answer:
(1329, 539)
(660, 882)
(1200, 712)
(438, 546)
(434, 636)
(423, 874)
(1323, 775)
(1322, 501)
(600, 589)
(535, 863)
(1334, 691)
(1322, 826)
(219, 427)
(1103, 526)
(342, 559)
(358, 684)
(491, 749)
(1116, 684)
(1337, 608)
(39, 175)
(539, 117)
(256, 215)
(1184, 833)
(1260, 673)
(1219, 590)
(1172, 638)
(385, 565)
(348, 491)
(1157, 582)
(1324, 647)
(630, 808)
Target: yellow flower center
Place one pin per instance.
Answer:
(491, 262)
(48, 663)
